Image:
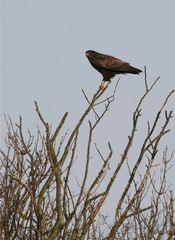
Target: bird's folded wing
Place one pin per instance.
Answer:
(111, 63)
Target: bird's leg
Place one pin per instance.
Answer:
(104, 84)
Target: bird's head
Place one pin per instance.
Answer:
(89, 53)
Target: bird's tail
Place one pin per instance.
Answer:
(133, 70)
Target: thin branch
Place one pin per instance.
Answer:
(59, 127)
(89, 103)
(146, 83)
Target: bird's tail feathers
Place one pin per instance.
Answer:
(133, 70)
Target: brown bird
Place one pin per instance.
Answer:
(109, 66)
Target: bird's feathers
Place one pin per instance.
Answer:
(109, 66)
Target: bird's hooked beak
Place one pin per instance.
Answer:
(87, 54)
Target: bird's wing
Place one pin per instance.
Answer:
(111, 63)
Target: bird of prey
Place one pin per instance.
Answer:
(109, 66)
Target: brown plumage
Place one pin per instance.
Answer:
(109, 66)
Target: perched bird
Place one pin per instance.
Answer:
(109, 66)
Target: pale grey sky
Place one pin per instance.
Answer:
(43, 44)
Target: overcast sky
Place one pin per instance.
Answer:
(43, 44)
